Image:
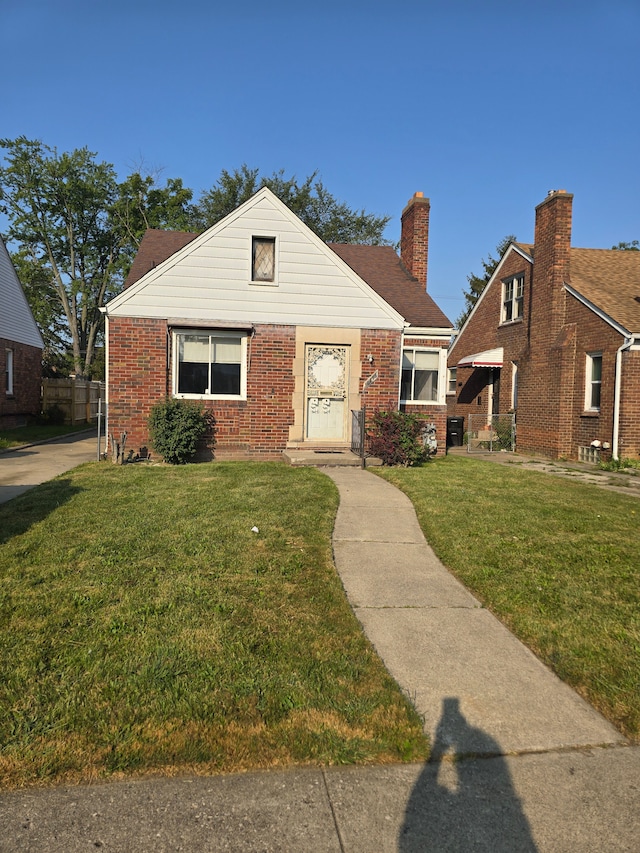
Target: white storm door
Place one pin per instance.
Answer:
(326, 392)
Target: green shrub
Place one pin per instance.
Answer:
(618, 464)
(53, 416)
(176, 426)
(399, 438)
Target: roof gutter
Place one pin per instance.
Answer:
(628, 342)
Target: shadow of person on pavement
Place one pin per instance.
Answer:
(464, 799)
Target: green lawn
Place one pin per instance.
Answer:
(556, 560)
(38, 432)
(144, 627)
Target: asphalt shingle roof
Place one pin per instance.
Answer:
(610, 279)
(383, 270)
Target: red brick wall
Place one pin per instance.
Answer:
(385, 347)
(629, 425)
(140, 375)
(24, 403)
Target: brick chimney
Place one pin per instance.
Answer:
(414, 237)
(552, 248)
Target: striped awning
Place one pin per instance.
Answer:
(488, 358)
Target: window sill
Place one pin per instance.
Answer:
(515, 322)
(263, 283)
(594, 413)
(205, 397)
(420, 403)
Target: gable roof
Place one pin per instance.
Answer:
(16, 320)
(610, 280)
(383, 270)
(208, 279)
(375, 269)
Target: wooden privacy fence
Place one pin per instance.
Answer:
(78, 398)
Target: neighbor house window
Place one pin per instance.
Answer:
(451, 380)
(594, 382)
(210, 364)
(9, 371)
(512, 299)
(421, 370)
(263, 259)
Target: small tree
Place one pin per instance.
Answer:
(176, 426)
(399, 438)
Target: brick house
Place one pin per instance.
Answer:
(555, 338)
(21, 348)
(278, 333)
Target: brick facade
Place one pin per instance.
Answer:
(24, 403)
(140, 361)
(549, 346)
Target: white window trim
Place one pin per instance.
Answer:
(514, 385)
(442, 375)
(452, 375)
(258, 282)
(9, 372)
(514, 301)
(220, 333)
(589, 382)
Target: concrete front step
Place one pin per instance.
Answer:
(320, 458)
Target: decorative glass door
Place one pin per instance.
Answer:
(326, 392)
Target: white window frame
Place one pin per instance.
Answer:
(590, 383)
(442, 375)
(451, 380)
(512, 308)
(242, 336)
(265, 282)
(9, 372)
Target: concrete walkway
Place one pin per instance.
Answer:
(28, 466)
(554, 775)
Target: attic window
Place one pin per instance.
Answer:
(263, 259)
(512, 299)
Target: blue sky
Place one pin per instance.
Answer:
(483, 106)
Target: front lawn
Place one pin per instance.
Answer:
(145, 627)
(38, 432)
(556, 560)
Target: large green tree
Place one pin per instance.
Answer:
(75, 230)
(477, 283)
(332, 220)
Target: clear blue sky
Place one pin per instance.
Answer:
(483, 105)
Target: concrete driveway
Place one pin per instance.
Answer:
(26, 467)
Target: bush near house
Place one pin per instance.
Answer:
(398, 438)
(176, 426)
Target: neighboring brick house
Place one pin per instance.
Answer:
(555, 338)
(278, 333)
(21, 348)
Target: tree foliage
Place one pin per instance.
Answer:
(76, 230)
(630, 246)
(477, 283)
(332, 220)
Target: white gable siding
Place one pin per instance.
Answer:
(16, 320)
(210, 278)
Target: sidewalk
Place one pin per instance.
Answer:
(554, 775)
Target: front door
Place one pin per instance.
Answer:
(326, 392)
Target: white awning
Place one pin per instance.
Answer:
(488, 358)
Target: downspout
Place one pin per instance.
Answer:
(626, 344)
(103, 311)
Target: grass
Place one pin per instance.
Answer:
(37, 432)
(555, 560)
(145, 628)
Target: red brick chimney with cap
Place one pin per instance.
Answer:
(414, 237)
(551, 256)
